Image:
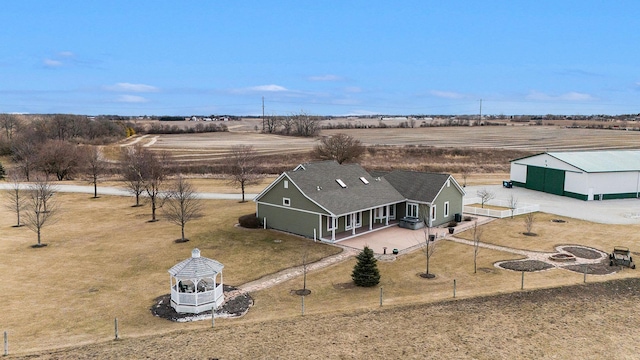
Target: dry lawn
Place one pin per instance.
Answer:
(591, 321)
(509, 232)
(104, 260)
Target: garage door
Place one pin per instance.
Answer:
(545, 179)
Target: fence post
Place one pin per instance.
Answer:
(380, 295)
(522, 282)
(454, 288)
(6, 344)
(115, 323)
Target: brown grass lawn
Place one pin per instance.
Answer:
(509, 232)
(104, 260)
(487, 206)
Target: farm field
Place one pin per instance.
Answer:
(473, 150)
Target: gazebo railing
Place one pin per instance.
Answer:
(196, 298)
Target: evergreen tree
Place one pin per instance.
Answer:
(2, 173)
(366, 273)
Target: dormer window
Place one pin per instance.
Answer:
(341, 183)
(364, 181)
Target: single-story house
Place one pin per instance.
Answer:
(584, 175)
(332, 202)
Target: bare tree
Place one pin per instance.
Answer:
(24, 154)
(15, 199)
(41, 208)
(182, 204)
(271, 124)
(340, 147)
(243, 167)
(429, 246)
(94, 167)
(305, 269)
(306, 125)
(477, 234)
(465, 174)
(153, 175)
(485, 196)
(287, 123)
(529, 219)
(9, 124)
(131, 168)
(59, 158)
(513, 204)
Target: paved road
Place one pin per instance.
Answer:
(105, 190)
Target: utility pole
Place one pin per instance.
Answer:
(263, 114)
(480, 121)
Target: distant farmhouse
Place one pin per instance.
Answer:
(332, 202)
(584, 175)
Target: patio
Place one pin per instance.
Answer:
(405, 240)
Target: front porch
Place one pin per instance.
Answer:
(361, 231)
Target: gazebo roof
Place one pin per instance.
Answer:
(196, 267)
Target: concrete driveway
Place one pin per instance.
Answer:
(623, 211)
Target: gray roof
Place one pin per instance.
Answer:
(417, 186)
(196, 267)
(318, 182)
(601, 161)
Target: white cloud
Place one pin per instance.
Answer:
(269, 88)
(66, 54)
(131, 99)
(52, 63)
(327, 77)
(353, 89)
(128, 87)
(447, 94)
(570, 96)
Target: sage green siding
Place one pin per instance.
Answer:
(277, 193)
(454, 197)
(289, 220)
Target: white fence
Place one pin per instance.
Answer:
(521, 208)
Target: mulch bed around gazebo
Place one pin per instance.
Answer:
(235, 307)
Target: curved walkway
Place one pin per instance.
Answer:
(535, 255)
(290, 273)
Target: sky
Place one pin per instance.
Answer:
(208, 57)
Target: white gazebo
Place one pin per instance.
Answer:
(195, 286)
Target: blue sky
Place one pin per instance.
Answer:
(322, 57)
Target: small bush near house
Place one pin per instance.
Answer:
(249, 221)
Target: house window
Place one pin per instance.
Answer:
(433, 213)
(348, 222)
(364, 181)
(286, 184)
(358, 219)
(341, 183)
(412, 210)
(332, 223)
(446, 209)
(286, 201)
(392, 212)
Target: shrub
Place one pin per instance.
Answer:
(452, 224)
(366, 273)
(249, 221)
(2, 173)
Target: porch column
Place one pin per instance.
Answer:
(370, 219)
(353, 224)
(386, 218)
